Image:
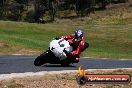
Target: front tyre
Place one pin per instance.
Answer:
(40, 60)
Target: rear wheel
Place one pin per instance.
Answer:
(40, 59)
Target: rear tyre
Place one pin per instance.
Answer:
(40, 60)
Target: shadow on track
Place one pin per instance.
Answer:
(57, 65)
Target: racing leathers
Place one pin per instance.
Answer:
(78, 45)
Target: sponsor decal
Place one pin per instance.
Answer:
(83, 77)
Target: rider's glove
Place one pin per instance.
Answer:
(57, 38)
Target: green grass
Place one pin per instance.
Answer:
(109, 35)
(28, 35)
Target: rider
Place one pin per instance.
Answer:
(78, 43)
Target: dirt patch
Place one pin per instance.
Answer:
(63, 80)
(24, 51)
(5, 48)
(4, 45)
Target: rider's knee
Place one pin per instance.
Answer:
(86, 45)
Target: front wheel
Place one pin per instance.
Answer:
(40, 60)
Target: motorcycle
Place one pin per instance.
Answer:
(58, 53)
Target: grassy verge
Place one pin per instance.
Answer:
(109, 33)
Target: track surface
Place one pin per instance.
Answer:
(21, 64)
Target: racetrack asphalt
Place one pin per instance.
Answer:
(21, 64)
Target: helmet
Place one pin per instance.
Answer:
(78, 34)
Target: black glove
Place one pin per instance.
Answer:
(57, 38)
